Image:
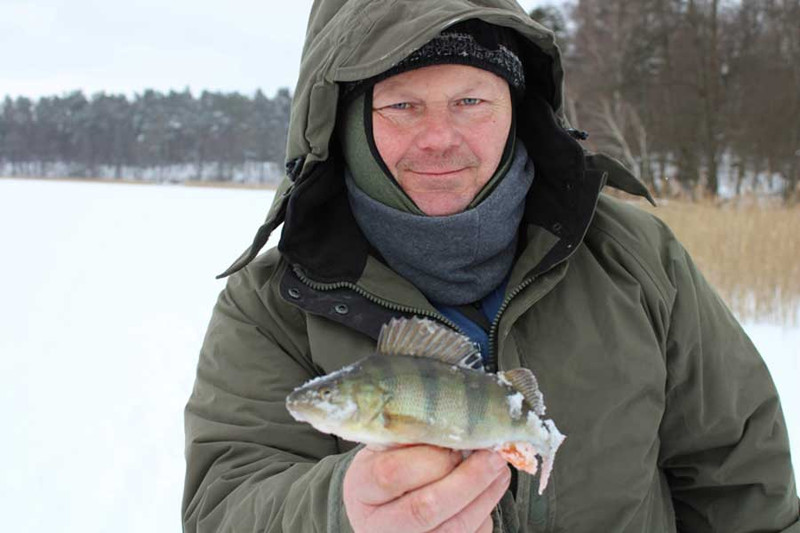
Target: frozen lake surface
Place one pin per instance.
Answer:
(107, 290)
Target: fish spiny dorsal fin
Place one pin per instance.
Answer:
(523, 380)
(421, 337)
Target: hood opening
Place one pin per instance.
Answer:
(319, 231)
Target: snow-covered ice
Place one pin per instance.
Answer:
(107, 290)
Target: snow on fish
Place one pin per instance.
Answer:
(417, 389)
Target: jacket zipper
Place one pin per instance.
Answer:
(491, 364)
(317, 286)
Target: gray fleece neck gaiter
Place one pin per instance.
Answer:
(456, 259)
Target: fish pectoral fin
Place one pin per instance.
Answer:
(380, 417)
(399, 422)
(379, 411)
(522, 455)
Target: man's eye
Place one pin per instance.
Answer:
(470, 101)
(401, 105)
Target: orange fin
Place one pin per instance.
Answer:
(522, 455)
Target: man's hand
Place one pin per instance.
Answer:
(423, 488)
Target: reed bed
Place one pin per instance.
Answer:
(749, 251)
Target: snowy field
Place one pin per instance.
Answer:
(107, 290)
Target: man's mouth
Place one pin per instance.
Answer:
(436, 172)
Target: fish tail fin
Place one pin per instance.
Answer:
(547, 469)
(521, 454)
(556, 438)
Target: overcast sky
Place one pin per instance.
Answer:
(49, 47)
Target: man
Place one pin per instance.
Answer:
(432, 173)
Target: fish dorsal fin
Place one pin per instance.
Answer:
(421, 337)
(523, 380)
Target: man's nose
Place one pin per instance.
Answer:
(438, 131)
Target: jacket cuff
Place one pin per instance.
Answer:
(337, 515)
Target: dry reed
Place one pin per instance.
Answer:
(749, 252)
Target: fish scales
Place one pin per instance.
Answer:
(477, 408)
(451, 405)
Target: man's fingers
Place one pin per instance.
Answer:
(476, 515)
(387, 475)
(487, 526)
(430, 506)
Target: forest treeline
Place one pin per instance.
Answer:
(698, 97)
(153, 136)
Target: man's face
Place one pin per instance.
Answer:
(441, 130)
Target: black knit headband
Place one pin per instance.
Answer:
(473, 43)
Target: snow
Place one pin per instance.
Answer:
(780, 348)
(326, 377)
(515, 405)
(107, 291)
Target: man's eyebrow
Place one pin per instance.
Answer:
(478, 85)
(395, 92)
(471, 87)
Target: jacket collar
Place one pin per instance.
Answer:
(322, 237)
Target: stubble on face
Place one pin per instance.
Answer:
(441, 131)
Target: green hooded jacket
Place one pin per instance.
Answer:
(672, 420)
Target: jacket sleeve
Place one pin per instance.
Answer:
(249, 465)
(724, 441)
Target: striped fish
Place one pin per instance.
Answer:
(418, 388)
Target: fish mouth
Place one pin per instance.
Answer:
(295, 409)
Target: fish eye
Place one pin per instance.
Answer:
(326, 393)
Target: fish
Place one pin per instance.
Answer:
(420, 387)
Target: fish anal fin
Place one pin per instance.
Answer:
(522, 455)
(421, 337)
(523, 380)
